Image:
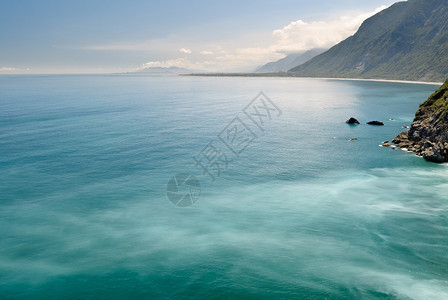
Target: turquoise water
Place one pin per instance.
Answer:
(301, 213)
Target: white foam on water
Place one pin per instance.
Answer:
(406, 286)
(327, 229)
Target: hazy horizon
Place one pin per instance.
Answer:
(53, 37)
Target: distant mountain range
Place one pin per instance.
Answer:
(163, 70)
(407, 41)
(288, 62)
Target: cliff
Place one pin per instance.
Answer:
(428, 135)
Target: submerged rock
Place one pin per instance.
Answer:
(433, 155)
(352, 121)
(428, 135)
(376, 123)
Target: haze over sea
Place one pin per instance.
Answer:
(302, 213)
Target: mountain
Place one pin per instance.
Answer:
(428, 136)
(407, 41)
(163, 70)
(288, 62)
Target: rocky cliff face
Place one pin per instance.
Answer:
(428, 135)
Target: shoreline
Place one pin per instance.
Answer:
(251, 75)
(381, 80)
(286, 75)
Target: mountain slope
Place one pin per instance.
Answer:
(288, 62)
(407, 41)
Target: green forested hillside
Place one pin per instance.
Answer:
(407, 41)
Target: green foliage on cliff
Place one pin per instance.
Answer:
(436, 104)
(407, 41)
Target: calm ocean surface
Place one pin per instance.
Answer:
(301, 213)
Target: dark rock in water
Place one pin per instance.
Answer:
(428, 135)
(352, 121)
(386, 144)
(376, 123)
(433, 155)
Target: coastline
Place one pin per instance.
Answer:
(382, 80)
(287, 75)
(260, 75)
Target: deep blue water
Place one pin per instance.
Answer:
(301, 213)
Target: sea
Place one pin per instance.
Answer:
(180, 187)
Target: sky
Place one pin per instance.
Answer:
(93, 36)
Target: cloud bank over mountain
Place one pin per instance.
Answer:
(297, 36)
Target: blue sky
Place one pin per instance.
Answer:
(49, 36)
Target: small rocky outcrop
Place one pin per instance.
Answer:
(375, 123)
(428, 135)
(352, 121)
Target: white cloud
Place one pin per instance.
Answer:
(180, 63)
(302, 36)
(185, 51)
(298, 36)
(7, 69)
(239, 60)
(13, 70)
(245, 59)
(246, 51)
